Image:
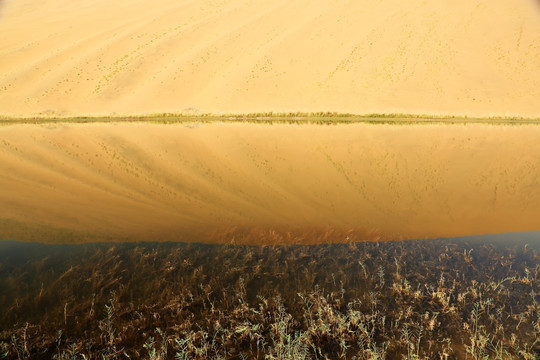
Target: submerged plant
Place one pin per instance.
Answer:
(179, 301)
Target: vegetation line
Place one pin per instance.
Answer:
(325, 118)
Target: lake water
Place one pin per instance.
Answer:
(234, 301)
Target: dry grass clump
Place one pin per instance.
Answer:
(394, 300)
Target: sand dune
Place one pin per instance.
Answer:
(462, 57)
(225, 181)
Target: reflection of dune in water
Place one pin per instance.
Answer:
(274, 183)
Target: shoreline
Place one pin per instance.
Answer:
(275, 118)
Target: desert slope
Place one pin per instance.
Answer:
(462, 57)
(279, 183)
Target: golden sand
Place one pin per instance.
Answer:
(460, 57)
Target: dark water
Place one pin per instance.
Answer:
(446, 298)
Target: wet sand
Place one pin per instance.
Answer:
(266, 183)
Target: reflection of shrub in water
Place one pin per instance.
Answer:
(411, 300)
